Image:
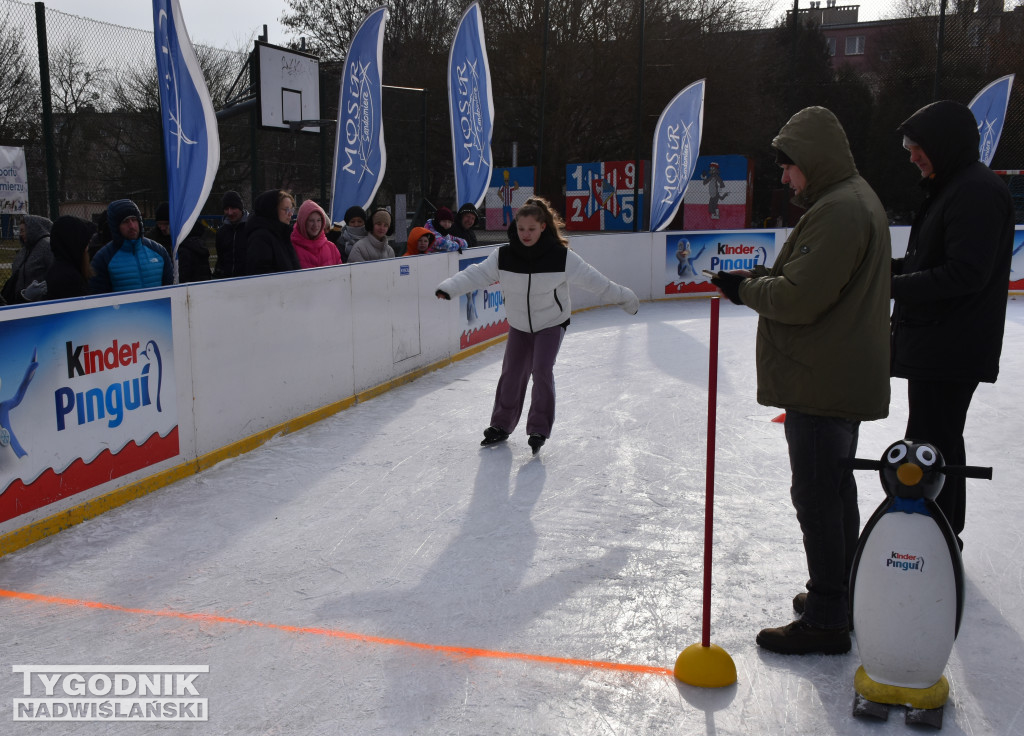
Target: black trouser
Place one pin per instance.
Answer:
(938, 413)
(825, 497)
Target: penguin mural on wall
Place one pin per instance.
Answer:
(906, 587)
(7, 436)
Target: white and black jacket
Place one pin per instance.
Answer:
(535, 282)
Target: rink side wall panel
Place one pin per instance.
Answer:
(186, 376)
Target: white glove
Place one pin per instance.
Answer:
(630, 304)
(34, 291)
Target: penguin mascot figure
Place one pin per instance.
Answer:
(906, 587)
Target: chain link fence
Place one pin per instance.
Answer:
(873, 65)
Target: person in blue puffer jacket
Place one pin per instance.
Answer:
(129, 261)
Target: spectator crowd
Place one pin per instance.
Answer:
(72, 257)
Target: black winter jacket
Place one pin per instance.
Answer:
(194, 256)
(268, 240)
(950, 289)
(231, 250)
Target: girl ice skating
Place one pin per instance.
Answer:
(535, 270)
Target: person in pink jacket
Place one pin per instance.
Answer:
(309, 238)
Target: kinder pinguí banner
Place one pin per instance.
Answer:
(482, 311)
(85, 397)
(688, 254)
(1017, 261)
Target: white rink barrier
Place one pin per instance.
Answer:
(110, 397)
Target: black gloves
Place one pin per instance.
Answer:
(442, 295)
(729, 284)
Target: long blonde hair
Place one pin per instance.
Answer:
(541, 210)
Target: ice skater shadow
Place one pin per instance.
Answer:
(475, 592)
(677, 353)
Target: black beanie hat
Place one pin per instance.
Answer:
(163, 212)
(232, 199)
(355, 212)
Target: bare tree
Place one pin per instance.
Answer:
(19, 93)
(76, 87)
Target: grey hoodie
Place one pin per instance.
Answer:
(34, 258)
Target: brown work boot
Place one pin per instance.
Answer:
(800, 637)
(800, 605)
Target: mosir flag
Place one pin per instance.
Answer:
(989, 108)
(676, 145)
(359, 155)
(191, 142)
(472, 109)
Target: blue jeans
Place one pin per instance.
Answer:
(825, 498)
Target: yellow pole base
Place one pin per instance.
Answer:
(703, 666)
(925, 698)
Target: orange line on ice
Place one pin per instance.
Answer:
(468, 652)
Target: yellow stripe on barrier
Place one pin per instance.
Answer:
(92, 508)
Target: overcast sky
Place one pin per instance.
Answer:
(222, 23)
(232, 23)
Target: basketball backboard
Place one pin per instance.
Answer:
(288, 86)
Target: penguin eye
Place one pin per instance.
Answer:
(926, 455)
(897, 453)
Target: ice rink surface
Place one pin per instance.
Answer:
(380, 573)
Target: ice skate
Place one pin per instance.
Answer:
(493, 435)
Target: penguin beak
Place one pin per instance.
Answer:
(909, 474)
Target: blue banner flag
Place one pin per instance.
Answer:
(359, 155)
(472, 109)
(676, 146)
(989, 108)
(191, 141)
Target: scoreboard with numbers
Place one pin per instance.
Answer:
(599, 195)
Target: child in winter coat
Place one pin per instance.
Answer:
(535, 270)
(309, 239)
(420, 241)
(441, 225)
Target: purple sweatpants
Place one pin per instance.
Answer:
(528, 354)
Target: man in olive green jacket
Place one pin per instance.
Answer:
(823, 356)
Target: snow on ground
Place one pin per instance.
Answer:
(379, 573)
